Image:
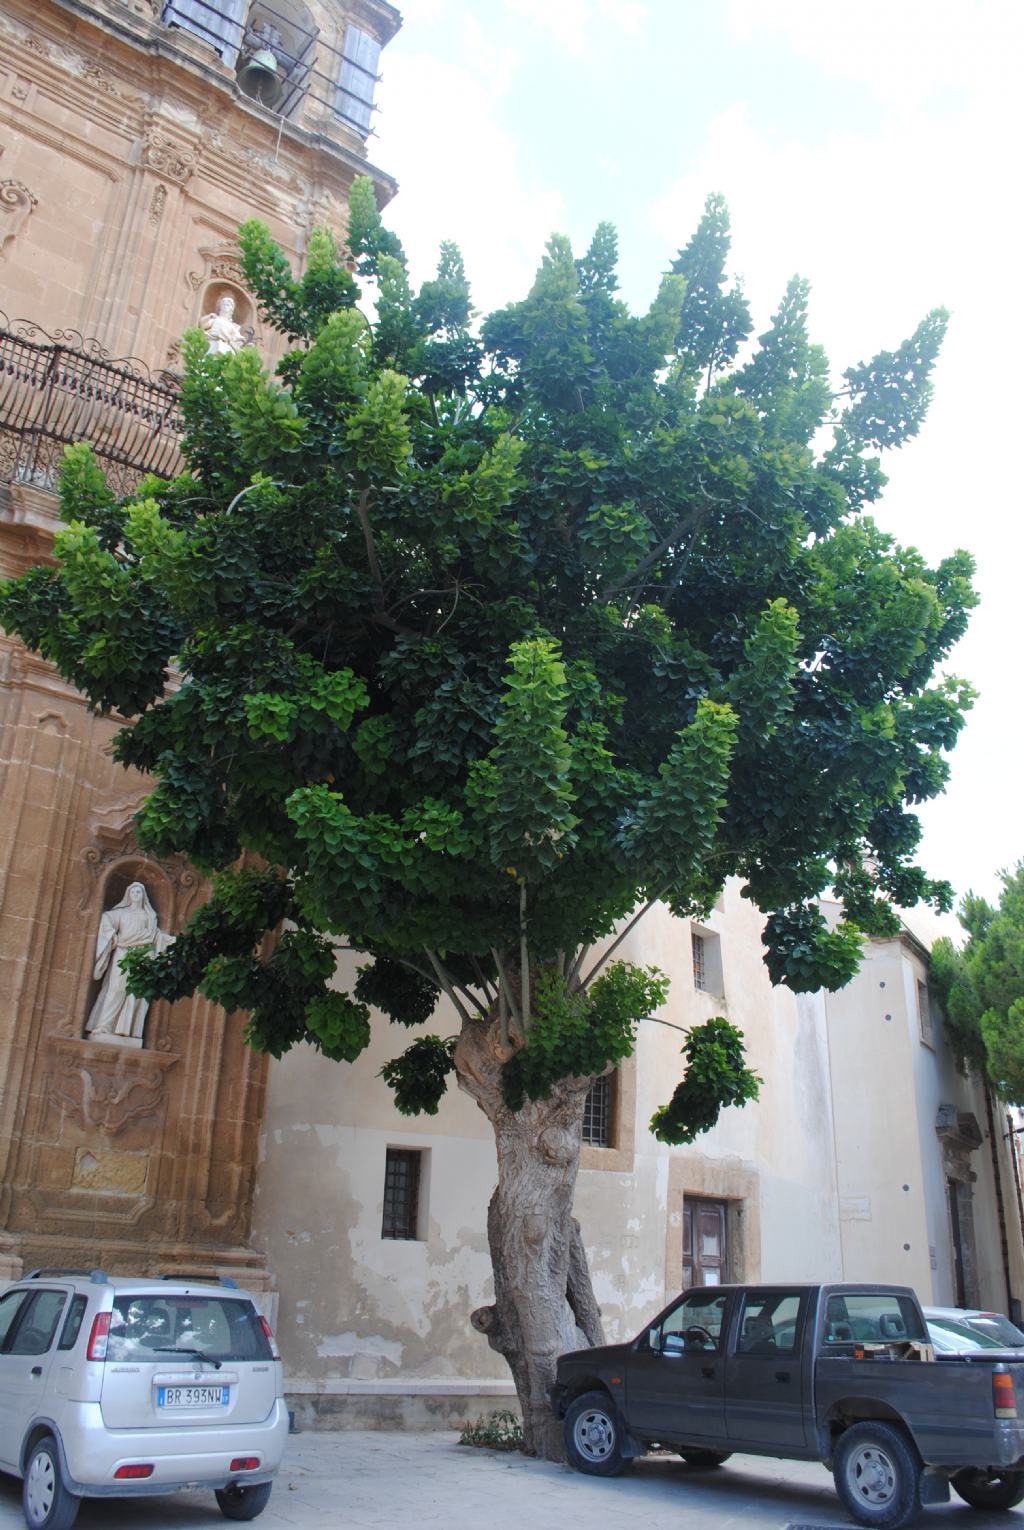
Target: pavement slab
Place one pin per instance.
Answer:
(365, 1480)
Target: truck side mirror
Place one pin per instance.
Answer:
(654, 1340)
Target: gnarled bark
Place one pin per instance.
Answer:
(543, 1299)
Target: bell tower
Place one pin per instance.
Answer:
(135, 136)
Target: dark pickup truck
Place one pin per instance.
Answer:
(842, 1374)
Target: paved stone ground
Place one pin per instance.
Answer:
(377, 1481)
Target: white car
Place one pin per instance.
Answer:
(991, 1330)
(113, 1387)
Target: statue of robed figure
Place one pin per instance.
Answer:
(130, 925)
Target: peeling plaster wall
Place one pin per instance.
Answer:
(360, 1311)
(377, 1331)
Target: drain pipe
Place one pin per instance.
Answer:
(1000, 1204)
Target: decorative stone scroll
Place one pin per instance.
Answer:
(16, 204)
(174, 161)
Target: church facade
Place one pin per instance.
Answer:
(135, 137)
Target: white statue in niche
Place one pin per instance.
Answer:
(130, 925)
(221, 330)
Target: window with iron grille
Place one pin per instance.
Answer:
(700, 973)
(401, 1193)
(597, 1113)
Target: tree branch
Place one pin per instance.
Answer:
(446, 983)
(636, 575)
(505, 987)
(371, 546)
(572, 977)
(595, 969)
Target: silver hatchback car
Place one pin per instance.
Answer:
(112, 1387)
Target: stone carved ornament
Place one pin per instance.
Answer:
(106, 1104)
(131, 925)
(16, 203)
(174, 161)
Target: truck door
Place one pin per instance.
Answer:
(676, 1382)
(763, 1374)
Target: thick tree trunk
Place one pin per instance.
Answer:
(543, 1300)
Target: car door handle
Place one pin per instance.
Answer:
(781, 1375)
(708, 1372)
(37, 1370)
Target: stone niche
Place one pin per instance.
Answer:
(137, 1156)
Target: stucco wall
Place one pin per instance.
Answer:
(888, 1086)
(359, 1313)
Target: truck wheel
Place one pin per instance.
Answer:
(989, 1490)
(878, 1475)
(593, 1436)
(701, 1459)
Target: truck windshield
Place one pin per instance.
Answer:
(875, 1317)
(218, 1328)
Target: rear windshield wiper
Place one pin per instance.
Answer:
(171, 1349)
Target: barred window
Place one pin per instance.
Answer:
(597, 1113)
(700, 975)
(401, 1193)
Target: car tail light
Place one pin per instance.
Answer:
(137, 1469)
(98, 1338)
(270, 1337)
(245, 1463)
(1004, 1398)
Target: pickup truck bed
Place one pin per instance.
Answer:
(842, 1374)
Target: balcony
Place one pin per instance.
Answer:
(58, 389)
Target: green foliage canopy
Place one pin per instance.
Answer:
(982, 986)
(485, 638)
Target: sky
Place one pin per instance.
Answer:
(872, 148)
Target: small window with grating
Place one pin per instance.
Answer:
(597, 1113)
(700, 971)
(401, 1193)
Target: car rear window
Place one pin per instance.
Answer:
(217, 1327)
(872, 1318)
(994, 1326)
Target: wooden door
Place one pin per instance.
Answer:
(705, 1252)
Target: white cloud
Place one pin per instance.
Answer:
(904, 50)
(460, 172)
(573, 23)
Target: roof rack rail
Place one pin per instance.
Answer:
(187, 1276)
(51, 1272)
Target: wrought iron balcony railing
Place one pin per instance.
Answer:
(60, 388)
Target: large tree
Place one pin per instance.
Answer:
(981, 986)
(487, 637)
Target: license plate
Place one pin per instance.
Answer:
(192, 1397)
